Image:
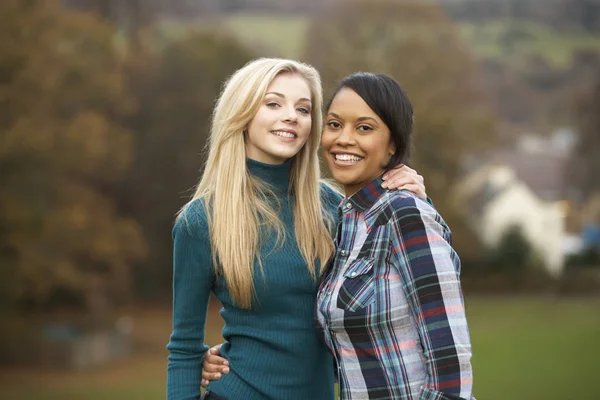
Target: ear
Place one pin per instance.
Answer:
(391, 148)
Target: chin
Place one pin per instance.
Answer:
(343, 179)
(289, 153)
(285, 156)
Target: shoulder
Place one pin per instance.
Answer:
(404, 207)
(192, 220)
(331, 197)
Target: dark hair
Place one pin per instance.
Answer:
(390, 102)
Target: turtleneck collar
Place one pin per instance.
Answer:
(277, 175)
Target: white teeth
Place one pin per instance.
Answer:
(347, 157)
(284, 134)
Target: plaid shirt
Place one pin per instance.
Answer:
(390, 307)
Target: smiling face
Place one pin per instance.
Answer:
(356, 143)
(282, 124)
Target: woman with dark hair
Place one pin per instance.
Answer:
(390, 305)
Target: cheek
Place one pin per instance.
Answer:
(260, 119)
(379, 156)
(307, 126)
(305, 142)
(382, 150)
(252, 127)
(327, 139)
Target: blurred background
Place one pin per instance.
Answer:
(104, 112)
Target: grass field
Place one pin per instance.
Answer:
(523, 349)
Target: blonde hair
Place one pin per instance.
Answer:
(235, 200)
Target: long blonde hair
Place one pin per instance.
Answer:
(235, 200)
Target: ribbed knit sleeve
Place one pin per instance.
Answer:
(331, 199)
(192, 282)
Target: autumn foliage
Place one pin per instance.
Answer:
(62, 95)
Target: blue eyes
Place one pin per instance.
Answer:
(301, 109)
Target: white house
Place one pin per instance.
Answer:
(499, 199)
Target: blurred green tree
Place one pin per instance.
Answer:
(62, 90)
(513, 252)
(418, 45)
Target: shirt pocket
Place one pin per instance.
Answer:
(358, 288)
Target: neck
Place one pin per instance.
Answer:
(350, 190)
(277, 175)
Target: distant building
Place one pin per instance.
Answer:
(526, 186)
(500, 199)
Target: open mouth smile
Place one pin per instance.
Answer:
(346, 158)
(285, 134)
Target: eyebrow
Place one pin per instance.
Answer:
(334, 115)
(283, 97)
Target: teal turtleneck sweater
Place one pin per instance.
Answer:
(273, 349)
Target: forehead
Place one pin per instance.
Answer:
(290, 85)
(348, 104)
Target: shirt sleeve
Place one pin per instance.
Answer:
(430, 272)
(192, 283)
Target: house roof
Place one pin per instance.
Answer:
(545, 173)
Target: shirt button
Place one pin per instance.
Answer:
(348, 205)
(353, 274)
(343, 252)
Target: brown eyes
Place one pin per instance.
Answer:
(361, 128)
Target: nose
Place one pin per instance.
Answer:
(345, 137)
(290, 116)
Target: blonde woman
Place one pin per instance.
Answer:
(255, 234)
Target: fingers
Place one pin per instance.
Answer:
(408, 169)
(210, 372)
(419, 191)
(213, 366)
(211, 376)
(421, 179)
(210, 366)
(392, 172)
(402, 172)
(213, 357)
(396, 182)
(410, 184)
(400, 168)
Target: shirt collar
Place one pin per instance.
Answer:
(367, 195)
